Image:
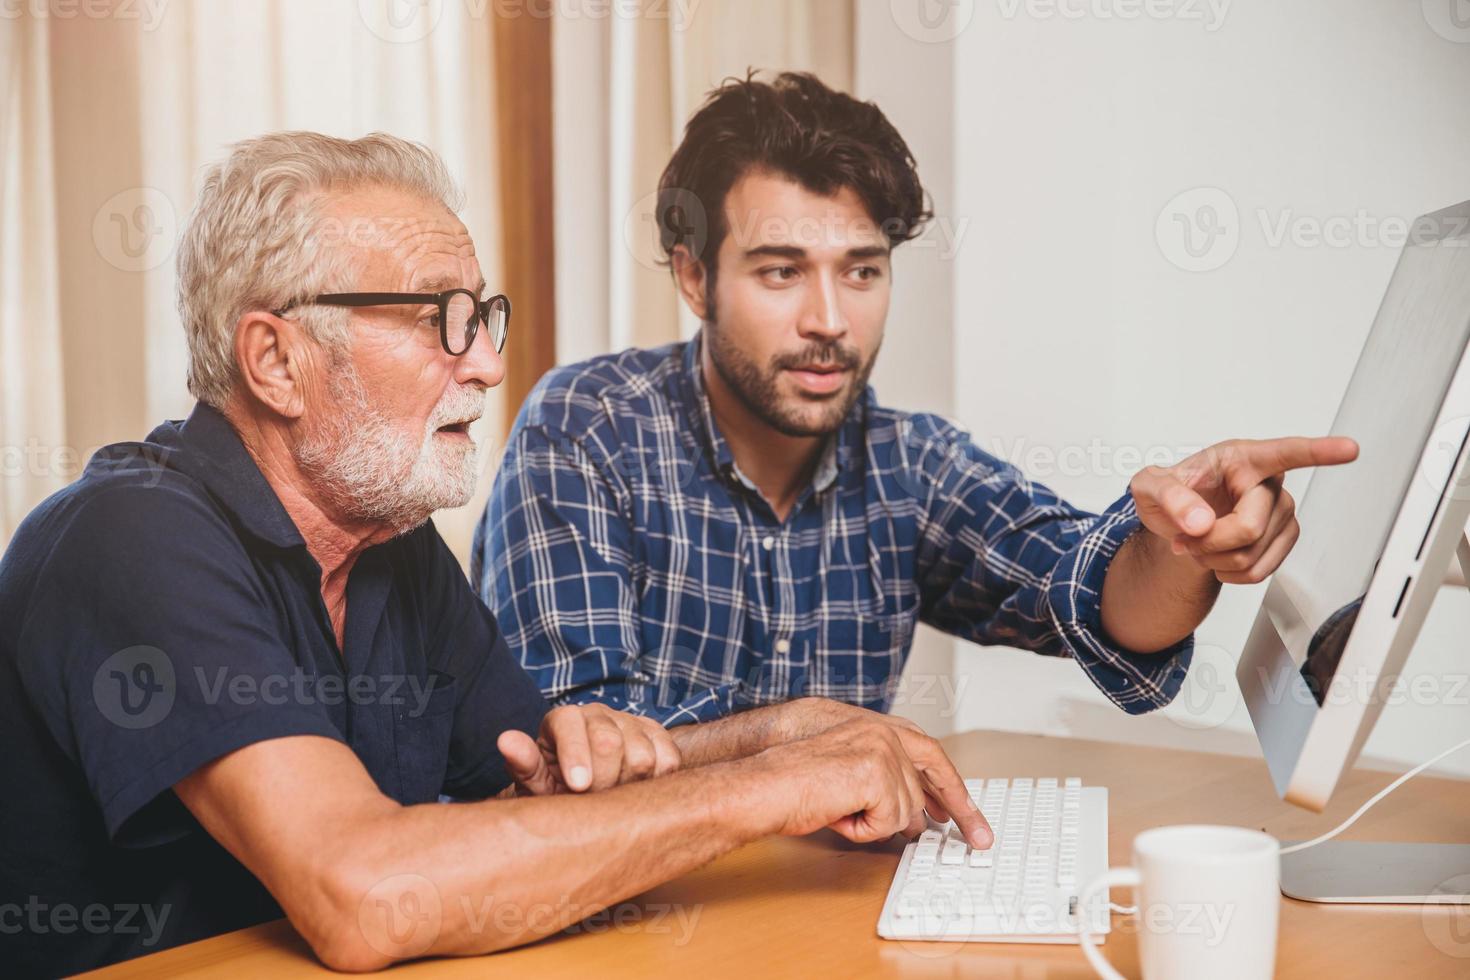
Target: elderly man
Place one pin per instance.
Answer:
(241, 668)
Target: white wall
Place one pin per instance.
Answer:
(1083, 342)
(916, 90)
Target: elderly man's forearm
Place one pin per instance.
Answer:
(507, 872)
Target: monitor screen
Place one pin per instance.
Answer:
(1390, 408)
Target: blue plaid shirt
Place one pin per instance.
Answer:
(629, 561)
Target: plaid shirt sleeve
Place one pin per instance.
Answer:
(1004, 560)
(554, 558)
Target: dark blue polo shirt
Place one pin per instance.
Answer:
(163, 611)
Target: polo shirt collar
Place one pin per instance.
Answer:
(214, 455)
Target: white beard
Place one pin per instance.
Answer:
(369, 470)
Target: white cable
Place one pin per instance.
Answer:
(1123, 909)
(1376, 797)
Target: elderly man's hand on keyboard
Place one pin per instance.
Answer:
(869, 778)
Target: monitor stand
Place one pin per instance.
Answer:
(1393, 873)
(1378, 872)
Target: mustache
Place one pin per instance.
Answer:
(826, 355)
(459, 405)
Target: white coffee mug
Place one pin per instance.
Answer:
(1208, 901)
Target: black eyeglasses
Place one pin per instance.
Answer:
(461, 312)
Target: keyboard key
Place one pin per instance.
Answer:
(1019, 889)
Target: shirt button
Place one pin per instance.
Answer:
(782, 646)
(768, 543)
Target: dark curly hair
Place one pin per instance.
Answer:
(797, 127)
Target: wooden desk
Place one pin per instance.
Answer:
(809, 906)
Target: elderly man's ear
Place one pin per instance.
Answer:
(274, 357)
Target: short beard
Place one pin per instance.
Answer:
(757, 390)
(368, 470)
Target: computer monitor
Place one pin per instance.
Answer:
(1378, 540)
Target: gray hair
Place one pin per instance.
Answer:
(256, 239)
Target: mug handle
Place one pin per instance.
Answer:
(1113, 877)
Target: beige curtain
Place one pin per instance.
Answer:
(106, 123)
(33, 458)
(623, 88)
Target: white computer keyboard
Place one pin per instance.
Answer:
(1051, 839)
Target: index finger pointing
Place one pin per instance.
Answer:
(1273, 457)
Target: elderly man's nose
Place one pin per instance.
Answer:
(481, 363)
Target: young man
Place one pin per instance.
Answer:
(689, 531)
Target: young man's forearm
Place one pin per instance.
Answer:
(748, 732)
(732, 737)
(1153, 598)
